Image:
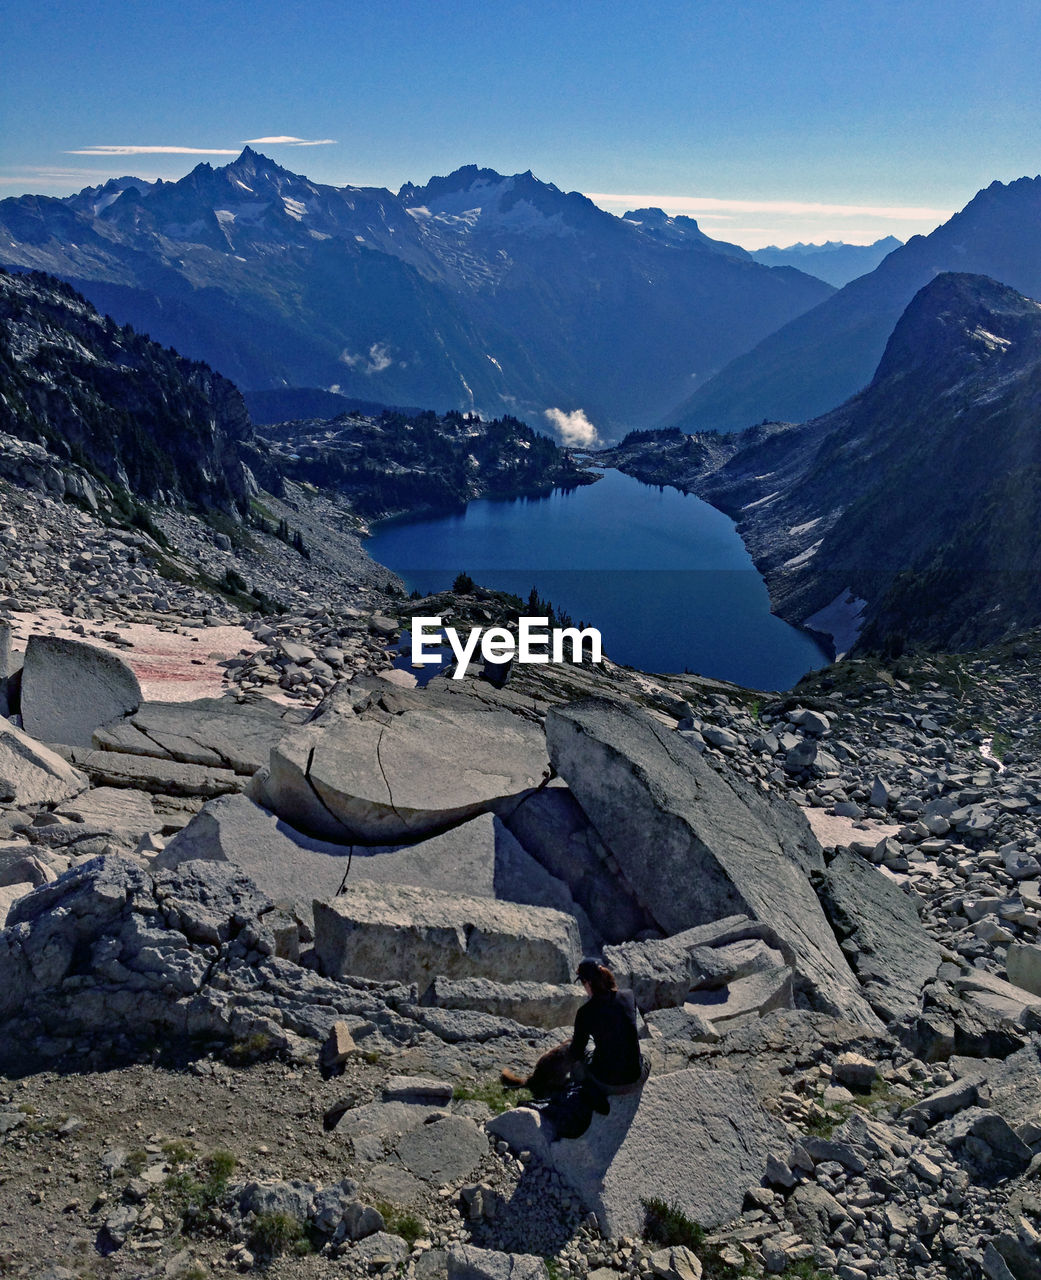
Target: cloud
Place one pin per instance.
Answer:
(117, 150)
(376, 361)
(574, 429)
(708, 205)
(284, 140)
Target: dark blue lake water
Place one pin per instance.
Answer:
(662, 574)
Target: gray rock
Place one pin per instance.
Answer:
(70, 688)
(694, 1138)
(220, 732)
(402, 776)
(378, 1252)
(697, 845)
(985, 1140)
(758, 993)
(166, 777)
(121, 810)
(283, 863)
(443, 1151)
(1023, 964)
(294, 1198)
(467, 1262)
(551, 826)
(894, 957)
(32, 774)
(413, 935)
(535, 1004)
(417, 1089)
(676, 1263)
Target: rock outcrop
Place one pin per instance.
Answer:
(70, 688)
(379, 776)
(408, 934)
(697, 845)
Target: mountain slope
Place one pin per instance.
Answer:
(143, 418)
(920, 497)
(475, 291)
(826, 355)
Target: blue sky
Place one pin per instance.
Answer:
(770, 121)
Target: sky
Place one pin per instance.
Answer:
(770, 121)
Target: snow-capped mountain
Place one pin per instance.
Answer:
(477, 290)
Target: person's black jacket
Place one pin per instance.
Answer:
(610, 1022)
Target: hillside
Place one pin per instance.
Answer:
(821, 358)
(919, 498)
(478, 291)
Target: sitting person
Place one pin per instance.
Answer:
(608, 1018)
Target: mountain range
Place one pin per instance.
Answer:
(830, 352)
(834, 261)
(477, 290)
(912, 513)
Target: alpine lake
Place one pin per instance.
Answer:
(663, 575)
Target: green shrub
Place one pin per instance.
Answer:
(276, 1232)
(668, 1226)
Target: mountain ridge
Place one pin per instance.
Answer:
(821, 358)
(915, 505)
(500, 294)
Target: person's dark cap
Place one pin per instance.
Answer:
(588, 970)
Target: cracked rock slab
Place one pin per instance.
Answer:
(395, 778)
(697, 845)
(217, 732)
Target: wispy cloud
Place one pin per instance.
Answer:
(574, 428)
(284, 140)
(708, 205)
(120, 150)
(41, 174)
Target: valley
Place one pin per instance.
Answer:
(274, 915)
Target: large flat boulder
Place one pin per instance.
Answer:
(31, 773)
(696, 1139)
(411, 934)
(70, 688)
(697, 845)
(389, 777)
(534, 1004)
(477, 859)
(123, 811)
(220, 732)
(892, 954)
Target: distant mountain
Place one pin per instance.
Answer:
(149, 423)
(914, 510)
(683, 230)
(833, 261)
(818, 360)
(475, 291)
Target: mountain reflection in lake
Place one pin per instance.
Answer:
(662, 574)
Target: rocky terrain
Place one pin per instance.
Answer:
(390, 463)
(264, 955)
(908, 516)
(218, 1062)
